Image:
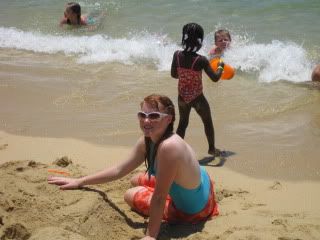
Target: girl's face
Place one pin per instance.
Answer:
(222, 41)
(153, 122)
(69, 14)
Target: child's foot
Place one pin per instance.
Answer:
(214, 152)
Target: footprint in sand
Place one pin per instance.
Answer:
(276, 186)
(280, 222)
(247, 206)
(4, 146)
(63, 162)
(16, 231)
(224, 193)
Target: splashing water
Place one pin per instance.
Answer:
(271, 62)
(95, 49)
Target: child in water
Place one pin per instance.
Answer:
(315, 77)
(222, 40)
(72, 15)
(187, 66)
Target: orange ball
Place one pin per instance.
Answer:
(228, 71)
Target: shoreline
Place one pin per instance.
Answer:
(47, 150)
(269, 131)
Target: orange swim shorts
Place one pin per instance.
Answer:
(171, 214)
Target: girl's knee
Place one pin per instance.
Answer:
(135, 179)
(129, 196)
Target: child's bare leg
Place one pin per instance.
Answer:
(202, 107)
(184, 112)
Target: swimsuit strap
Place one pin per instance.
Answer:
(151, 170)
(178, 59)
(194, 62)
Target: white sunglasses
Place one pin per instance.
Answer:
(152, 115)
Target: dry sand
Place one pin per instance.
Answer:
(32, 209)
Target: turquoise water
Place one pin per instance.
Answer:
(278, 40)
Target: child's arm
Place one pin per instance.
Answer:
(174, 72)
(214, 76)
(62, 21)
(167, 169)
(213, 51)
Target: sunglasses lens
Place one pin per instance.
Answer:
(142, 115)
(154, 116)
(150, 116)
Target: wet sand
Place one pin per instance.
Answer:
(268, 131)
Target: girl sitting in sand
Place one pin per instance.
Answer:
(174, 187)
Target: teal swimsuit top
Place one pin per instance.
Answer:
(91, 20)
(189, 201)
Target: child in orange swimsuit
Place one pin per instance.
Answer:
(187, 66)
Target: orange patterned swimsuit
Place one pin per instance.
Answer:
(190, 82)
(171, 214)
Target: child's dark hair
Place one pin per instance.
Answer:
(155, 101)
(222, 32)
(75, 8)
(192, 37)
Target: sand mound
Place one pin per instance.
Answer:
(30, 208)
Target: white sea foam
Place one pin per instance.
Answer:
(271, 62)
(140, 48)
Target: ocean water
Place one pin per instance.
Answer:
(87, 83)
(278, 40)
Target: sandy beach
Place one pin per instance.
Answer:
(32, 209)
(69, 100)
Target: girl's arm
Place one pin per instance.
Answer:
(213, 51)
(214, 76)
(167, 165)
(63, 21)
(84, 20)
(174, 72)
(133, 161)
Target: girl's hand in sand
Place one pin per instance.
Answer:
(65, 183)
